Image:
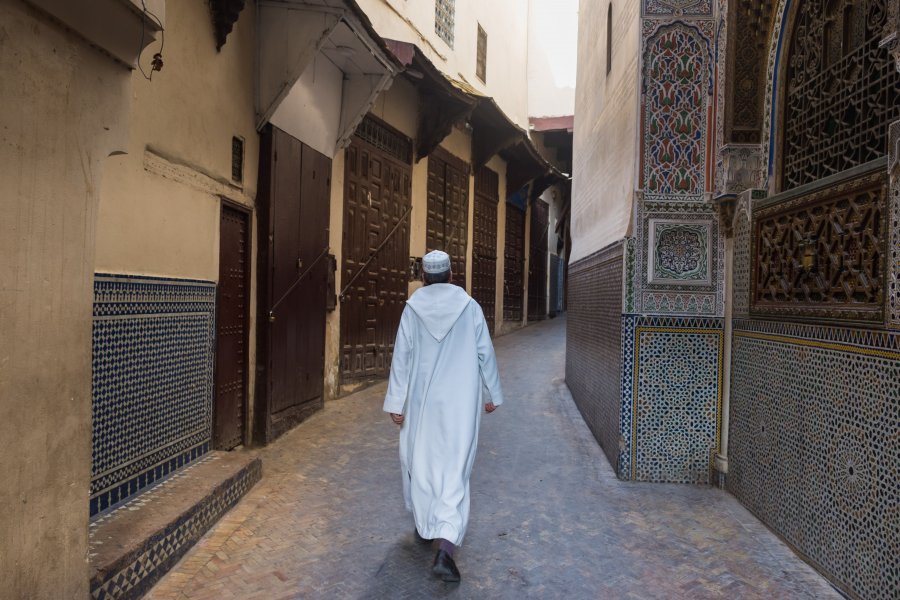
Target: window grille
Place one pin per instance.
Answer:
(386, 139)
(237, 159)
(481, 56)
(444, 14)
(842, 90)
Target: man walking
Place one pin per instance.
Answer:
(442, 354)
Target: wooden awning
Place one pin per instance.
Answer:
(446, 101)
(321, 66)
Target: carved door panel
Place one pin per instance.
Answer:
(537, 266)
(514, 264)
(294, 201)
(377, 188)
(484, 250)
(232, 326)
(448, 210)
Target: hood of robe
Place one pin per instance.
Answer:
(439, 306)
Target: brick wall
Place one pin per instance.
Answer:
(593, 346)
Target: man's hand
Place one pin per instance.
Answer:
(489, 407)
(398, 419)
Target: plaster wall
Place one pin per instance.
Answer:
(506, 25)
(65, 109)
(552, 57)
(159, 211)
(605, 161)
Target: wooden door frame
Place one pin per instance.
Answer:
(225, 201)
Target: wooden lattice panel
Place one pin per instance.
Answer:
(822, 255)
(842, 90)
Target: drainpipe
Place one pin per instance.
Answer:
(721, 459)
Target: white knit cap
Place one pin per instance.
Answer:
(436, 261)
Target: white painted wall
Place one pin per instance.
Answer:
(506, 25)
(605, 161)
(552, 57)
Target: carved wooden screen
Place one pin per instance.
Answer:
(537, 266)
(514, 264)
(822, 254)
(842, 90)
(448, 210)
(484, 246)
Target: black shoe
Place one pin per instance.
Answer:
(419, 538)
(444, 566)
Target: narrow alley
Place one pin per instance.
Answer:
(549, 518)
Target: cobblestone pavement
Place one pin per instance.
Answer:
(549, 518)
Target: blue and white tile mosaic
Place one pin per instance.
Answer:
(671, 398)
(815, 445)
(152, 381)
(132, 576)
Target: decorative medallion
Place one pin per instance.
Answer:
(680, 252)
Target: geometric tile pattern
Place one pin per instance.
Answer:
(701, 292)
(593, 334)
(814, 446)
(671, 398)
(136, 572)
(628, 305)
(893, 284)
(680, 252)
(662, 8)
(741, 263)
(152, 381)
(676, 89)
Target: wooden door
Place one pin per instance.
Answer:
(375, 276)
(232, 326)
(514, 264)
(447, 227)
(537, 265)
(294, 205)
(484, 250)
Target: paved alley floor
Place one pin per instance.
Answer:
(549, 518)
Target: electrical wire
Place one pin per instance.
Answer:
(156, 63)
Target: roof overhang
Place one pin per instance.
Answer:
(114, 26)
(444, 102)
(321, 67)
(441, 103)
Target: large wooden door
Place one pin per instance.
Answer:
(232, 326)
(294, 204)
(484, 250)
(375, 270)
(514, 264)
(537, 265)
(447, 227)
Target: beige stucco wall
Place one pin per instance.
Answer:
(64, 111)
(159, 208)
(606, 127)
(160, 204)
(506, 25)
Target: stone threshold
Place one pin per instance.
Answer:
(134, 545)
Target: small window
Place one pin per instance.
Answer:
(481, 56)
(237, 159)
(609, 39)
(444, 12)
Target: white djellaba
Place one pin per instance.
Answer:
(442, 354)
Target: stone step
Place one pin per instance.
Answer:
(133, 546)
